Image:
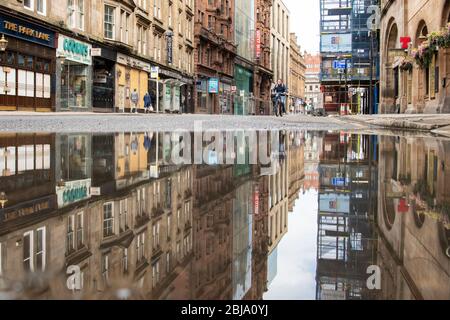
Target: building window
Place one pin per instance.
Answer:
(156, 237)
(34, 250)
(75, 233)
(105, 269)
(124, 26)
(109, 22)
(41, 7)
(123, 215)
(76, 14)
(167, 262)
(155, 273)
(108, 220)
(28, 4)
(140, 247)
(125, 260)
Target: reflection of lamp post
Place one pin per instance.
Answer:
(3, 43)
(3, 199)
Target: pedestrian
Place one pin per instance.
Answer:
(134, 101)
(147, 102)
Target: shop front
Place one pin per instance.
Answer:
(131, 75)
(225, 96)
(74, 76)
(244, 101)
(175, 91)
(104, 79)
(27, 66)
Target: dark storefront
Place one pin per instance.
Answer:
(27, 67)
(104, 60)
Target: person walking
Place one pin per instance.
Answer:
(134, 101)
(147, 102)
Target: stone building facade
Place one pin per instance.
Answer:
(297, 69)
(214, 56)
(280, 41)
(406, 87)
(312, 79)
(263, 67)
(107, 50)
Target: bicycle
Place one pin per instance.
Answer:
(278, 105)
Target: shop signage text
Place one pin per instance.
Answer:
(74, 50)
(27, 31)
(73, 191)
(258, 44)
(36, 206)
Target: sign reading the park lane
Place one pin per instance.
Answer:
(26, 31)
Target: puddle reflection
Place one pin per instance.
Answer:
(111, 216)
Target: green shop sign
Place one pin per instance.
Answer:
(75, 47)
(74, 50)
(73, 191)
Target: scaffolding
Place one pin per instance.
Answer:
(349, 64)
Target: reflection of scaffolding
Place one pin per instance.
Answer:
(345, 242)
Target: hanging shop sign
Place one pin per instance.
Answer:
(213, 85)
(74, 50)
(27, 31)
(73, 191)
(258, 44)
(169, 37)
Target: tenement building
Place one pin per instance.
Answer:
(263, 68)
(214, 57)
(297, 75)
(313, 93)
(280, 41)
(415, 57)
(78, 55)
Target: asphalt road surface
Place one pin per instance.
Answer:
(94, 122)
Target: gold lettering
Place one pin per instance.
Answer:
(10, 26)
(27, 31)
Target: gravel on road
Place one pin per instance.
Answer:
(94, 122)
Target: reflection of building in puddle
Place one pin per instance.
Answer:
(346, 245)
(178, 232)
(414, 241)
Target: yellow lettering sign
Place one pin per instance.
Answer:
(27, 31)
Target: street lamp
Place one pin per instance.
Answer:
(3, 43)
(3, 199)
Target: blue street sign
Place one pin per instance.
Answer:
(339, 64)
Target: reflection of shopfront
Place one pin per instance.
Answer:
(75, 75)
(205, 100)
(73, 157)
(103, 87)
(26, 67)
(26, 167)
(244, 102)
(131, 74)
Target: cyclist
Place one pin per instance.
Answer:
(280, 97)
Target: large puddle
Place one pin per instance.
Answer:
(220, 215)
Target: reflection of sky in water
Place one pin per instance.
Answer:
(297, 252)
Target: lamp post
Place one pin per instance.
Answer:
(3, 43)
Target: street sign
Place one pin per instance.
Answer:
(339, 64)
(154, 73)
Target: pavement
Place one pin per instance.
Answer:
(432, 123)
(438, 124)
(120, 122)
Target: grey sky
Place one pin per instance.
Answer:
(305, 22)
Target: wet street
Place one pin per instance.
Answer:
(295, 214)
